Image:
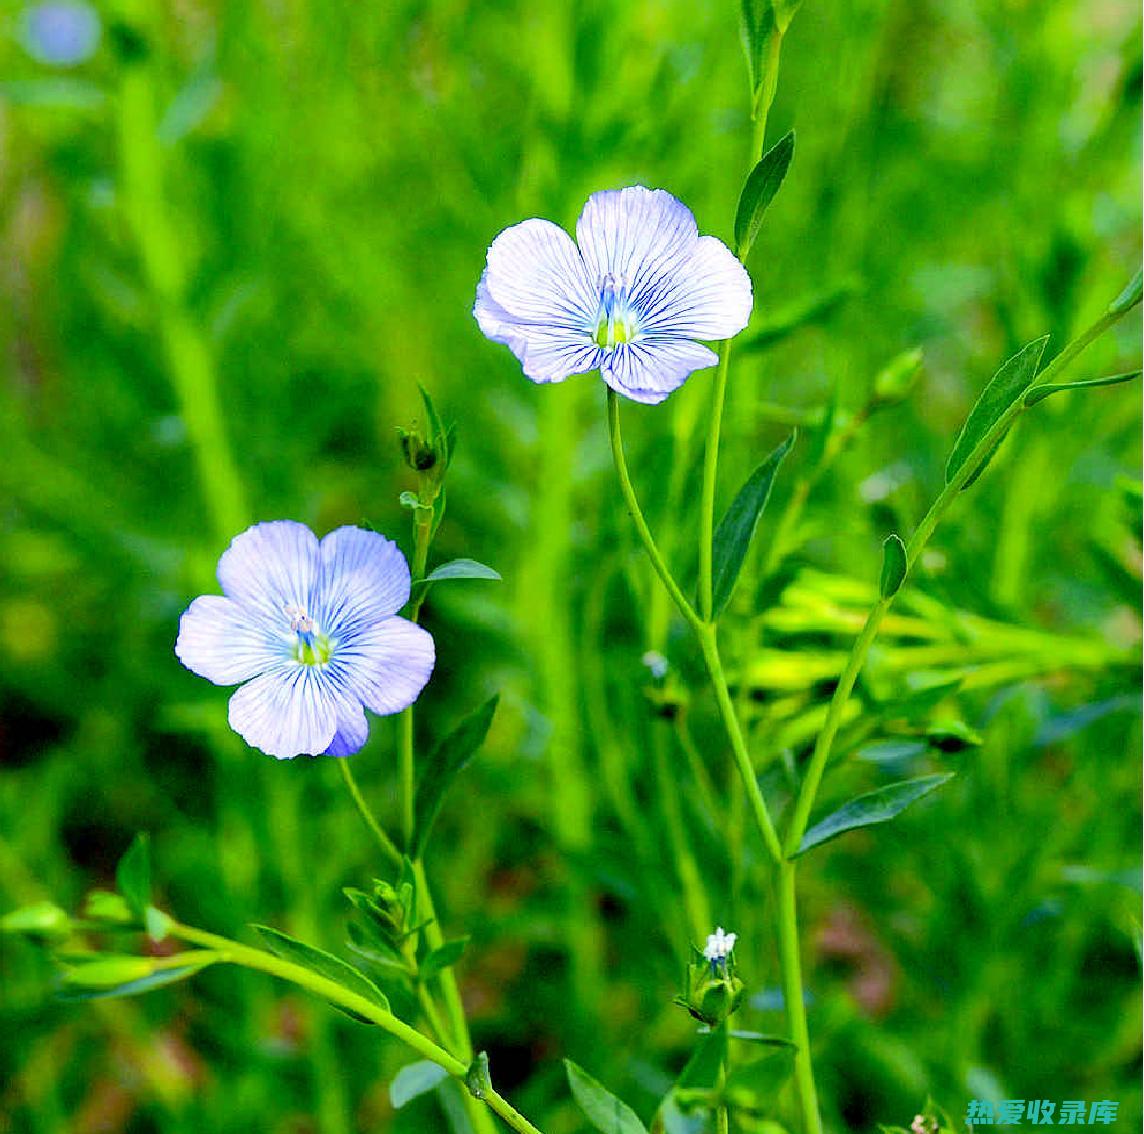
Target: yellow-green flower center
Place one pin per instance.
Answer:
(615, 320)
(310, 646)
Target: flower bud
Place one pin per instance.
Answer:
(714, 992)
(420, 455)
(895, 380)
(42, 920)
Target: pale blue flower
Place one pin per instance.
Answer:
(312, 629)
(61, 33)
(628, 298)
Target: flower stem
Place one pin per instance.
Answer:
(383, 840)
(918, 541)
(644, 532)
(234, 953)
(710, 647)
(710, 476)
(790, 966)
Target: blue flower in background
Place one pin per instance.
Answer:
(61, 34)
(628, 298)
(311, 628)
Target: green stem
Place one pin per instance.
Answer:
(790, 965)
(434, 938)
(644, 532)
(914, 548)
(234, 953)
(383, 840)
(705, 631)
(710, 476)
(710, 648)
(454, 1007)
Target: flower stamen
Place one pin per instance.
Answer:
(312, 646)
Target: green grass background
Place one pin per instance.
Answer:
(231, 246)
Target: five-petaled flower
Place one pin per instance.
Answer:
(311, 628)
(628, 298)
(719, 946)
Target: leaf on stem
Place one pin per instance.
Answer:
(448, 759)
(461, 569)
(737, 528)
(1040, 393)
(874, 807)
(325, 965)
(602, 1109)
(110, 976)
(759, 191)
(705, 1066)
(754, 1085)
(1009, 383)
(441, 958)
(894, 565)
(133, 876)
(413, 1080)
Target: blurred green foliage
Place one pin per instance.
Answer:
(233, 242)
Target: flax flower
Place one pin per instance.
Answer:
(311, 628)
(628, 298)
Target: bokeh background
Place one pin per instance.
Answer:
(234, 237)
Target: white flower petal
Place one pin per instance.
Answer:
(536, 275)
(636, 235)
(271, 566)
(286, 712)
(649, 369)
(385, 666)
(706, 296)
(364, 578)
(226, 643)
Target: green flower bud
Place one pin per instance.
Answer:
(895, 380)
(42, 920)
(714, 992)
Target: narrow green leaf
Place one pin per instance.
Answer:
(759, 191)
(326, 965)
(435, 428)
(971, 480)
(755, 1084)
(874, 807)
(894, 565)
(461, 569)
(1130, 296)
(415, 1079)
(441, 958)
(446, 761)
(1040, 393)
(704, 1068)
(756, 23)
(108, 977)
(366, 941)
(737, 528)
(133, 876)
(1009, 383)
(602, 1109)
(764, 1039)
